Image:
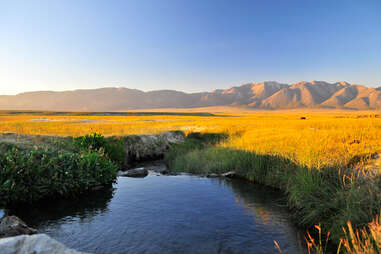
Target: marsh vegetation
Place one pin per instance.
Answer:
(326, 164)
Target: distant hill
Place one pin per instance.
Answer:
(265, 95)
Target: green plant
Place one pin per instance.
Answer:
(93, 141)
(113, 147)
(194, 141)
(32, 175)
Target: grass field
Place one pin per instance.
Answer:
(327, 162)
(322, 139)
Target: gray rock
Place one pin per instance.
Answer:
(142, 147)
(230, 174)
(161, 169)
(12, 226)
(34, 244)
(136, 172)
(212, 175)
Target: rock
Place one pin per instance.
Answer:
(212, 175)
(145, 147)
(230, 174)
(136, 172)
(174, 137)
(161, 169)
(153, 167)
(12, 226)
(34, 244)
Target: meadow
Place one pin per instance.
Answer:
(321, 139)
(326, 162)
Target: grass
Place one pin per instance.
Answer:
(331, 195)
(367, 240)
(325, 162)
(323, 139)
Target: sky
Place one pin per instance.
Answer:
(197, 45)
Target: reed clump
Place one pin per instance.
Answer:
(366, 240)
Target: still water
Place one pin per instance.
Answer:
(170, 214)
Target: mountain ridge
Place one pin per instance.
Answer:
(257, 95)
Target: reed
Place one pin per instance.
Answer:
(330, 195)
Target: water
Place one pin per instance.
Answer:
(170, 214)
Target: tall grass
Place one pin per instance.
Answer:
(330, 195)
(366, 240)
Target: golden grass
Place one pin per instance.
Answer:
(325, 138)
(367, 240)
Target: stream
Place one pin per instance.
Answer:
(170, 214)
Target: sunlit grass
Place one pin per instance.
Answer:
(323, 139)
(307, 158)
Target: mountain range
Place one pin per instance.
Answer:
(264, 95)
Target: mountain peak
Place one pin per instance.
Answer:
(344, 83)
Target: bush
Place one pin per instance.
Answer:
(113, 147)
(93, 141)
(31, 175)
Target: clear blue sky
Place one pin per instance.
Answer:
(188, 45)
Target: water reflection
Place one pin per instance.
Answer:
(169, 214)
(266, 205)
(51, 212)
(261, 207)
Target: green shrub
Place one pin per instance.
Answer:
(93, 141)
(113, 147)
(27, 176)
